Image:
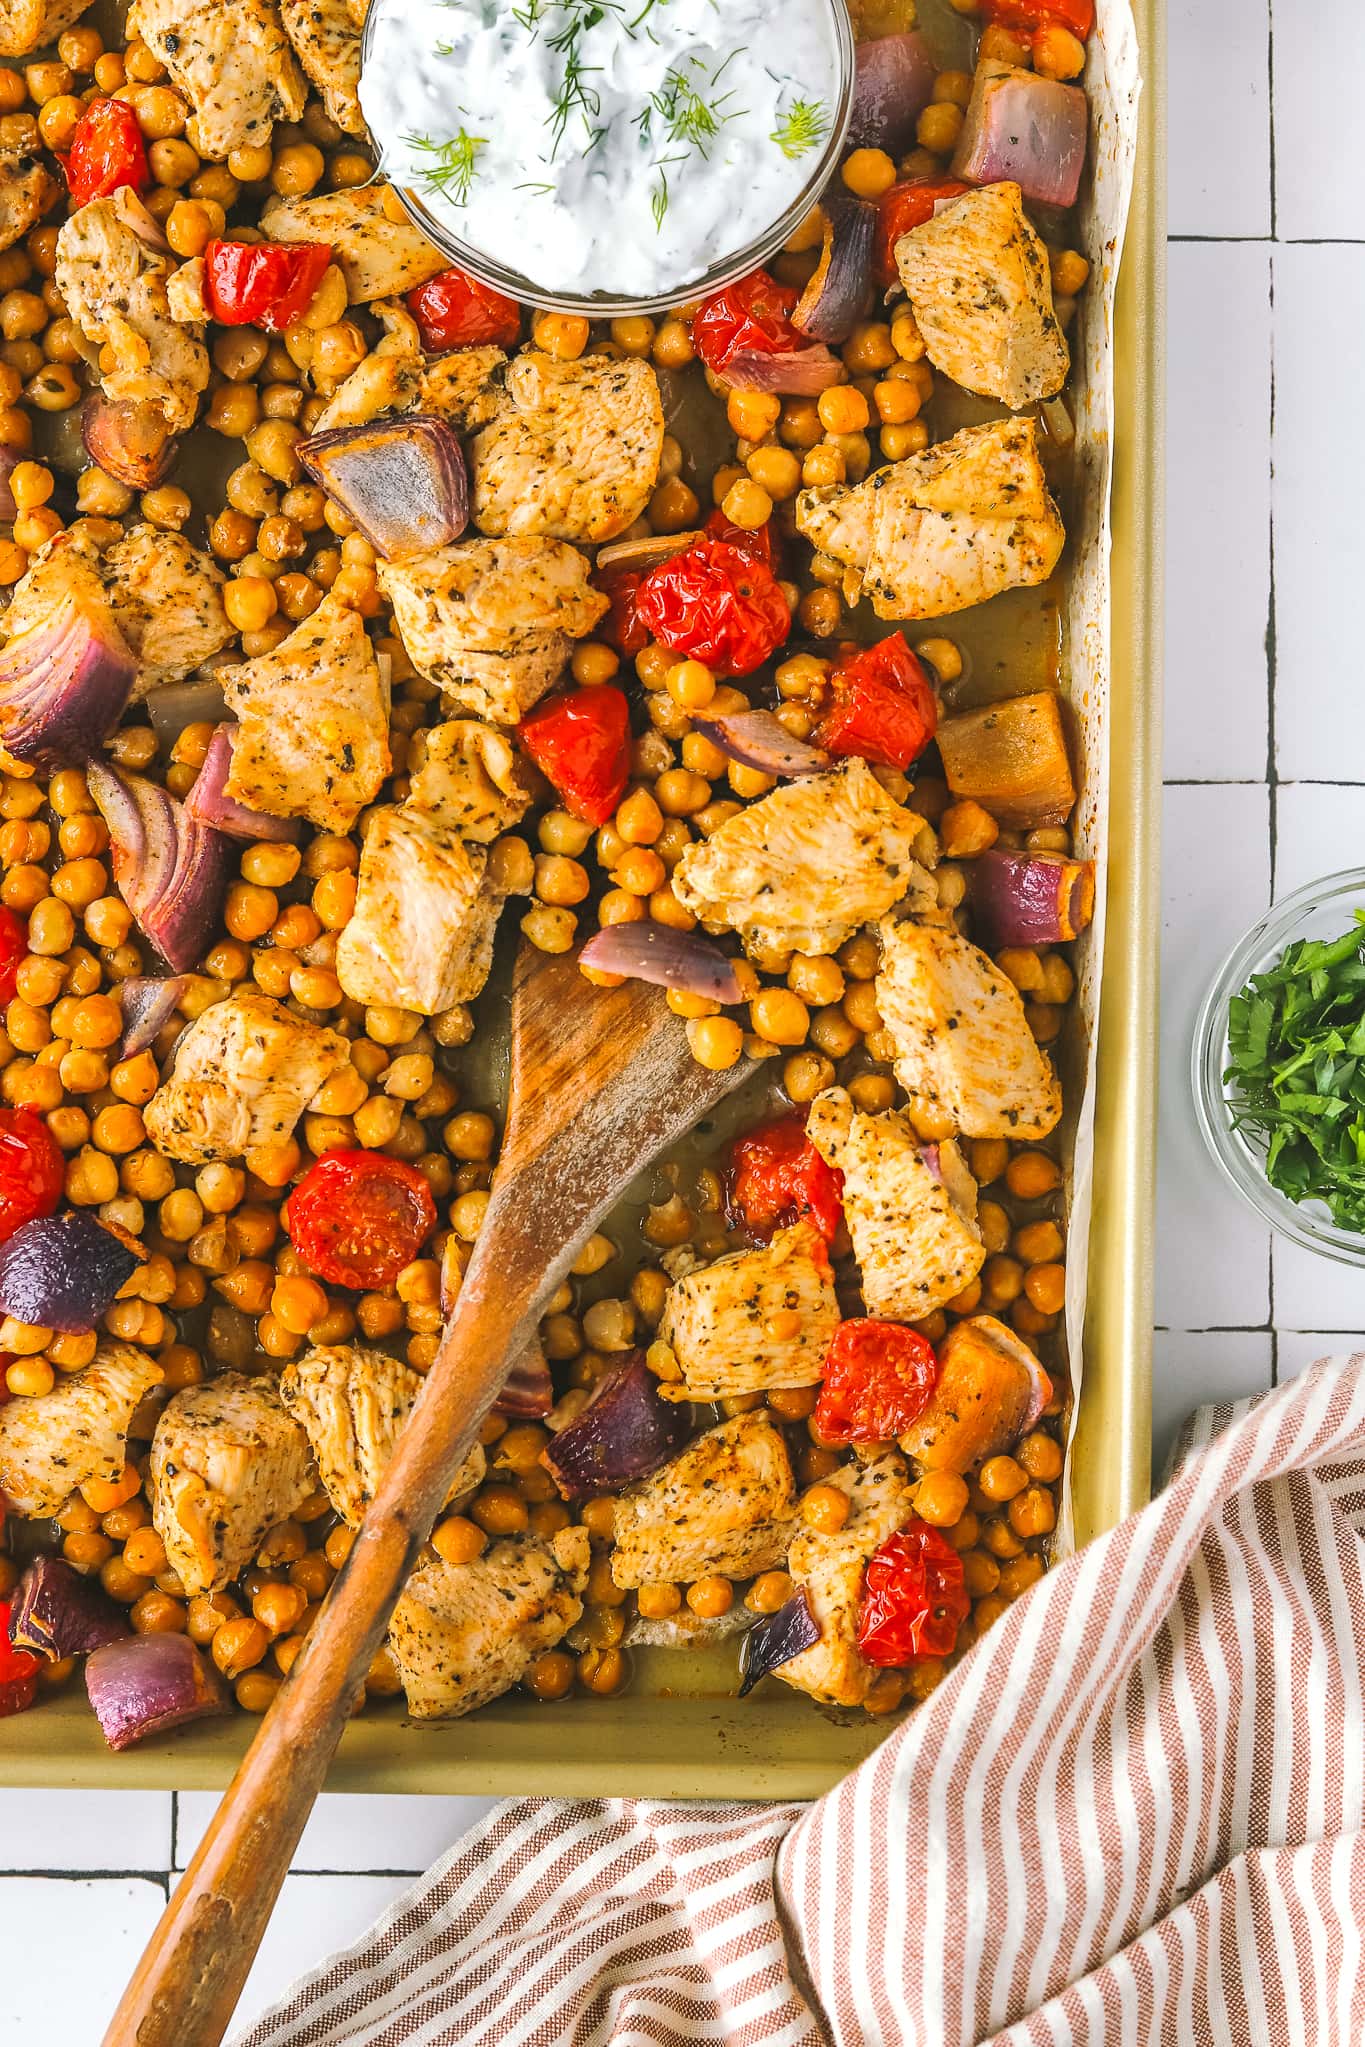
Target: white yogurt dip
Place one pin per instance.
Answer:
(624, 148)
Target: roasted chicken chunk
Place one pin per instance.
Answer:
(464, 387)
(801, 870)
(51, 1443)
(467, 775)
(753, 1319)
(421, 934)
(463, 1633)
(573, 452)
(726, 1504)
(227, 1463)
(231, 61)
(112, 270)
(962, 1039)
(979, 286)
(312, 737)
(327, 44)
(990, 1389)
(25, 25)
(940, 531)
(27, 188)
(910, 1208)
(829, 1570)
(243, 1073)
(352, 1404)
(380, 253)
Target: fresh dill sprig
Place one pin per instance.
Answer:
(453, 167)
(688, 111)
(658, 198)
(804, 125)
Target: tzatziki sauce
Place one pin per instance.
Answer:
(616, 146)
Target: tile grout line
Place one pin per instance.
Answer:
(1271, 646)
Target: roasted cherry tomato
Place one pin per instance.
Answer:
(755, 541)
(262, 284)
(13, 949)
(357, 1218)
(914, 1599)
(1077, 15)
(580, 741)
(622, 626)
(713, 603)
(107, 151)
(777, 1176)
(750, 315)
(904, 206)
(453, 310)
(882, 706)
(879, 1377)
(31, 1170)
(18, 1670)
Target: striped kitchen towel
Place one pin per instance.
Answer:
(1131, 1815)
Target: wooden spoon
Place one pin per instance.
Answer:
(601, 1080)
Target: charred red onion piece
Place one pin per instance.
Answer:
(148, 1003)
(668, 958)
(1028, 129)
(776, 1639)
(625, 1432)
(1041, 1397)
(56, 1612)
(209, 802)
(527, 1390)
(171, 870)
(403, 481)
(10, 458)
(893, 84)
(178, 704)
(1030, 898)
(802, 374)
(647, 553)
(840, 287)
(149, 1684)
(64, 685)
(63, 1271)
(127, 441)
(757, 739)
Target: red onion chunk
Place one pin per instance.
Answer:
(776, 1639)
(64, 685)
(757, 739)
(10, 458)
(148, 1003)
(840, 288)
(893, 83)
(646, 553)
(63, 1271)
(56, 1612)
(1030, 898)
(802, 374)
(625, 1432)
(667, 958)
(402, 480)
(1028, 129)
(149, 1684)
(209, 802)
(528, 1390)
(127, 440)
(1040, 1399)
(178, 704)
(171, 870)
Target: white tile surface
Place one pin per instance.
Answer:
(1317, 170)
(1297, 1349)
(1218, 98)
(68, 1948)
(355, 1833)
(85, 1830)
(1220, 1364)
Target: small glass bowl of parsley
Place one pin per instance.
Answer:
(1278, 1067)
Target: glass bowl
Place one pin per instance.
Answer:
(600, 305)
(1322, 910)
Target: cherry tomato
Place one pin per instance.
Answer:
(13, 948)
(18, 1670)
(107, 151)
(31, 1170)
(777, 1176)
(879, 1377)
(622, 626)
(882, 706)
(748, 315)
(757, 542)
(1077, 15)
(714, 604)
(453, 310)
(580, 741)
(357, 1218)
(914, 1599)
(263, 284)
(904, 206)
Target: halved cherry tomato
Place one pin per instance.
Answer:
(453, 310)
(262, 284)
(750, 314)
(13, 948)
(904, 206)
(18, 1670)
(882, 706)
(357, 1218)
(758, 542)
(580, 740)
(622, 626)
(879, 1377)
(107, 151)
(713, 603)
(31, 1170)
(1077, 15)
(914, 1597)
(776, 1176)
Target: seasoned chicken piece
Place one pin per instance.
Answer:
(25, 25)
(725, 1504)
(352, 1403)
(312, 738)
(910, 1209)
(942, 530)
(51, 1443)
(493, 622)
(112, 267)
(168, 601)
(421, 934)
(990, 1389)
(801, 870)
(27, 189)
(574, 451)
(829, 1570)
(467, 776)
(962, 1040)
(380, 253)
(463, 1633)
(231, 61)
(227, 1463)
(463, 387)
(242, 1075)
(358, 9)
(327, 44)
(753, 1319)
(979, 286)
